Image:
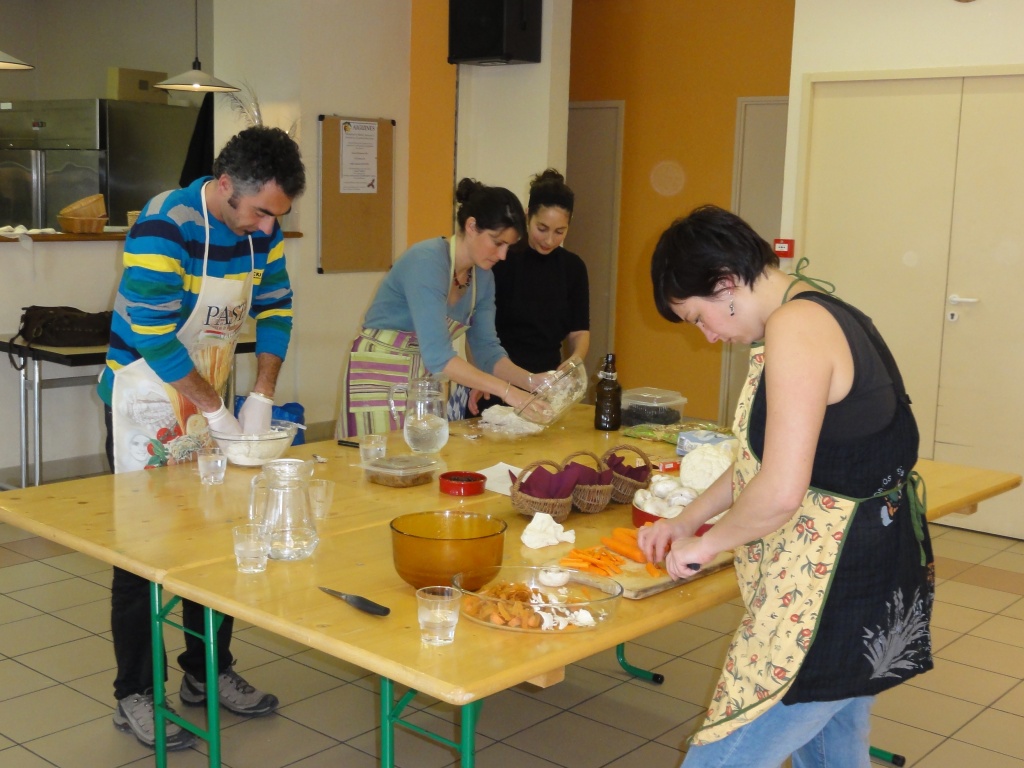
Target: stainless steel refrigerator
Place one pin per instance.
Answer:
(53, 153)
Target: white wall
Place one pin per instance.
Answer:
(514, 120)
(306, 58)
(84, 275)
(877, 35)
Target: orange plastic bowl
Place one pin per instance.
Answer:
(429, 548)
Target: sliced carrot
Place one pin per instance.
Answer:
(653, 570)
(626, 550)
(626, 534)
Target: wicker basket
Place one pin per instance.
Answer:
(91, 207)
(525, 504)
(133, 216)
(81, 224)
(590, 498)
(624, 487)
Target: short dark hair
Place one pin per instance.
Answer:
(493, 208)
(261, 154)
(696, 252)
(549, 190)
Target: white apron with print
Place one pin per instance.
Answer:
(153, 424)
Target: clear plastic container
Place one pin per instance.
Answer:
(402, 471)
(650, 405)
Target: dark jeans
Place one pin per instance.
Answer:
(130, 625)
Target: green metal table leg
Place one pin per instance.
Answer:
(387, 726)
(159, 694)
(889, 757)
(644, 674)
(390, 716)
(211, 623)
(467, 749)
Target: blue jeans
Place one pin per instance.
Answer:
(826, 734)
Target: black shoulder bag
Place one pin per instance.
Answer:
(60, 327)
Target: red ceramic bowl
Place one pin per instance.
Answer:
(458, 483)
(641, 518)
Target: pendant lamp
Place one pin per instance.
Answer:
(9, 62)
(195, 79)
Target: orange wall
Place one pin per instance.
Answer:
(679, 66)
(431, 124)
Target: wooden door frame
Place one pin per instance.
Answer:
(730, 354)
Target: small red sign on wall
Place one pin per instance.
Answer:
(784, 248)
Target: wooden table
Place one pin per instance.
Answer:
(165, 526)
(31, 359)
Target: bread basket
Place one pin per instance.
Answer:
(81, 225)
(91, 207)
(624, 487)
(590, 498)
(525, 504)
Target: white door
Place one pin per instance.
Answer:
(980, 414)
(878, 208)
(593, 170)
(912, 193)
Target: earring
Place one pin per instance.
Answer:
(732, 308)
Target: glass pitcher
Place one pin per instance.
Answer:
(279, 501)
(426, 420)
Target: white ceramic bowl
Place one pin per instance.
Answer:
(257, 450)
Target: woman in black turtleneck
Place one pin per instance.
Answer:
(542, 293)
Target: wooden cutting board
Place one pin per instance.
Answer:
(637, 583)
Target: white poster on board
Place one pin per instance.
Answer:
(358, 157)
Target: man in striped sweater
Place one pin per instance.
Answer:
(198, 261)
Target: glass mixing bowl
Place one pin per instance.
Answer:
(554, 398)
(257, 450)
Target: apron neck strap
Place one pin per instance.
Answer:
(451, 276)
(206, 233)
(799, 277)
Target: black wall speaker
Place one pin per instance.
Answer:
(494, 31)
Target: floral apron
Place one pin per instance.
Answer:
(380, 359)
(155, 425)
(784, 579)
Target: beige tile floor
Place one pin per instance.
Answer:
(56, 676)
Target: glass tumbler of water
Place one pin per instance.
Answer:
(252, 545)
(372, 447)
(438, 613)
(212, 466)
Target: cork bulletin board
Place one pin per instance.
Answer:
(356, 186)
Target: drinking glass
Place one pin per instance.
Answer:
(372, 447)
(438, 613)
(212, 465)
(320, 494)
(252, 545)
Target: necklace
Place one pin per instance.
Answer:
(469, 279)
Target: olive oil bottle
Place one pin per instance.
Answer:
(608, 397)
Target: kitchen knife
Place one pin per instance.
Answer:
(356, 601)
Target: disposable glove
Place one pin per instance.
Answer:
(254, 415)
(222, 421)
